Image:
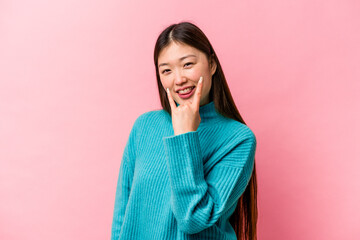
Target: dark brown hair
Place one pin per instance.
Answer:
(244, 218)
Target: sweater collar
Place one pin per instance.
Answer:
(207, 112)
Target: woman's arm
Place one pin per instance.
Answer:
(198, 202)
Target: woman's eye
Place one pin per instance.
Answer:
(166, 70)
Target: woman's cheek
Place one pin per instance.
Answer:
(193, 73)
(165, 82)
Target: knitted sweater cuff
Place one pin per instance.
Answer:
(184, 160)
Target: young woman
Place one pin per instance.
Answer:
(188, 170)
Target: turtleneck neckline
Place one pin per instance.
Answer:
(207, 112)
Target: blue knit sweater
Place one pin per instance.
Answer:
(182, 186)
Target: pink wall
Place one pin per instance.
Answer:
(74, 75)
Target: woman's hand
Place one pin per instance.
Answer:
(186, 117)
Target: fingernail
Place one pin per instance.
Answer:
(201, 79)
(167, 89)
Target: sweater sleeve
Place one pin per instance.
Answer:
(198, 201)
(123, 185)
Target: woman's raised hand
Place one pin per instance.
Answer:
(186, 117)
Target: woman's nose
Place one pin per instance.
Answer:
(179, 78)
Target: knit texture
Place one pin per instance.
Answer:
(182, 186)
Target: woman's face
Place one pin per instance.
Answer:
(181, 66)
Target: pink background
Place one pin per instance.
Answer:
(74, 75)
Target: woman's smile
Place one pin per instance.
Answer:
(186, 93)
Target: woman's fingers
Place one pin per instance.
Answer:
(171, 100)
(197, 96)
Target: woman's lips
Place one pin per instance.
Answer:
(187, 95)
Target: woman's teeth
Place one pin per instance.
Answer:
(185, 90)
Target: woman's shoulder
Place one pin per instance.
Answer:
(238, 129)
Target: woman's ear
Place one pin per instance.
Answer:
(213, 64)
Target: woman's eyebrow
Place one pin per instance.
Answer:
(180, 59)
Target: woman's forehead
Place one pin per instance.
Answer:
(175, 51)
(177, 48)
